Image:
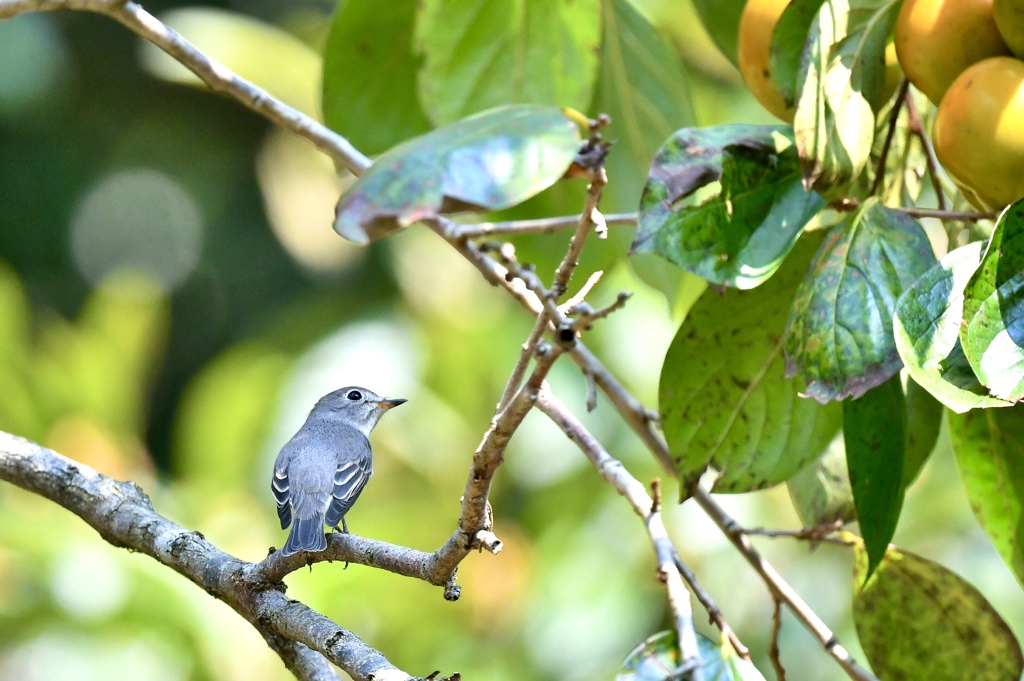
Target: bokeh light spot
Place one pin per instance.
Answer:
(140, 220)
(35, 66)
(93, 565)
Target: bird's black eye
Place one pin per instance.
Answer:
(354, 395)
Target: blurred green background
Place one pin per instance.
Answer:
(173, 301)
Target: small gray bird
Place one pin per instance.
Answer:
(320, 472)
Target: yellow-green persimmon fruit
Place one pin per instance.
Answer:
(937, 39)
(757, 23)
(1009, 15)
(979, 132)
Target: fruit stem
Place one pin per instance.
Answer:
(914, 123)
(894, 116)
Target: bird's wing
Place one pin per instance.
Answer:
(350, 477)
(279, 486)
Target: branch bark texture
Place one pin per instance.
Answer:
(124, 516)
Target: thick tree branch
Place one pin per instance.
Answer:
(124, 516)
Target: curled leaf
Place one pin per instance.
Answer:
(490, 161)
(740, 236)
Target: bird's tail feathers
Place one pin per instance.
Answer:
(307, 534)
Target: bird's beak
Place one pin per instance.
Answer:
(389, 402)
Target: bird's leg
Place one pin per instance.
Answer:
(344, 527)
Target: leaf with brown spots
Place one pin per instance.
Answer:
(918, 620)
(840, 332)
(724, 398)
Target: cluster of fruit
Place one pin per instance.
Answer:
(965, 56)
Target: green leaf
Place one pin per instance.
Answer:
(490, 161)
(924, 420)
(788, 42)
(370, 43)
(485, 53)
(926, 326)
(721, 18)
(723, 395)
(918, 620)
(741, 236)
(821, 493)
(645, 89)
(1003, 259)
(657, 659)
(994, 344)
(840, 335)
(875, 434)
(989, 447)
(841, 75)
(992, 335)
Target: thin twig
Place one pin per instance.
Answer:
(780, 589)
(815, 533)
(714, 612)
(586, 315)
(612, 470)
(514, 228)
(894, 116)
(589, 218)
(489, 455)
(916, 127)
(581, 295)
(914, 212)
(679, 603)
(773, 648)
(525, 355)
